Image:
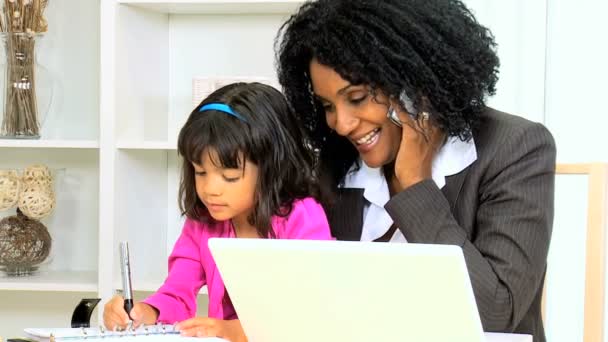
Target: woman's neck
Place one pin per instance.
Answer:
(391, 180)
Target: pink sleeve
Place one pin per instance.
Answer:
(176, 298)
(307, 221)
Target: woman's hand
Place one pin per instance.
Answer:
(421, 139)
(230, 330)
(115, 316)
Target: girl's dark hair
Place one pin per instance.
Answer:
(434, 51)
(270, 138)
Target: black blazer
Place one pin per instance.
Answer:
(499, 210)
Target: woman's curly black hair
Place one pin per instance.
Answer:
(434, 51)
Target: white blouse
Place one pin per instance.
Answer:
(454, 156)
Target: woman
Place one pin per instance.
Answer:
(392, 94)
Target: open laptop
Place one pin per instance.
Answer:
(334, 291)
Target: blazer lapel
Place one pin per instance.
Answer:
(453, 186)
(346, 216)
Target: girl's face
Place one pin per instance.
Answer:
(227, 193)
(355, 114)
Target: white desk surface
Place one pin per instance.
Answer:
(490, 337)
(499, 337)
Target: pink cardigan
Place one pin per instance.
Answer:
(191, 265)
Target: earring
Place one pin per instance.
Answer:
(422, 121)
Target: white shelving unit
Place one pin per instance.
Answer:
(217, 6)
(57, 144)
(53, 281)
(123, 71)
(147, 145)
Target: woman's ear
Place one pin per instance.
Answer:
(426, 105)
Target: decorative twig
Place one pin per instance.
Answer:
(20, 21)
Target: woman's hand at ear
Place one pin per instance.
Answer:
(421, 139)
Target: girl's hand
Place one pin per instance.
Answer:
(421, 139)
(230, 330)
(115, 317)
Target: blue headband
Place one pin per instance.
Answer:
(220, 107)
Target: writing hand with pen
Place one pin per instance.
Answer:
(115, 317)
(119, 312)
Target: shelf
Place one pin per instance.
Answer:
(57, 144)
(147, 145)
(217, 6)
(52, 281)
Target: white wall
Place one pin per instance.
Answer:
(554, 67)
(519, 28)
(577, 71)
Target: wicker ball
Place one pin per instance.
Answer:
(37, 201)
(10, 186)
(24, 242)
(37, 174)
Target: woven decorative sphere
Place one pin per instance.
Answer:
(37, 201)
(10, 186)
(24, 244)
(37, 174)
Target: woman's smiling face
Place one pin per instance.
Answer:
(354, 113)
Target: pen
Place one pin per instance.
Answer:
(125, 267)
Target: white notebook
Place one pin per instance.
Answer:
(151, 333)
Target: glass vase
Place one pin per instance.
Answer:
(27, 198)
(26, 89)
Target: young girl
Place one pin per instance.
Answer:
(246, 173)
